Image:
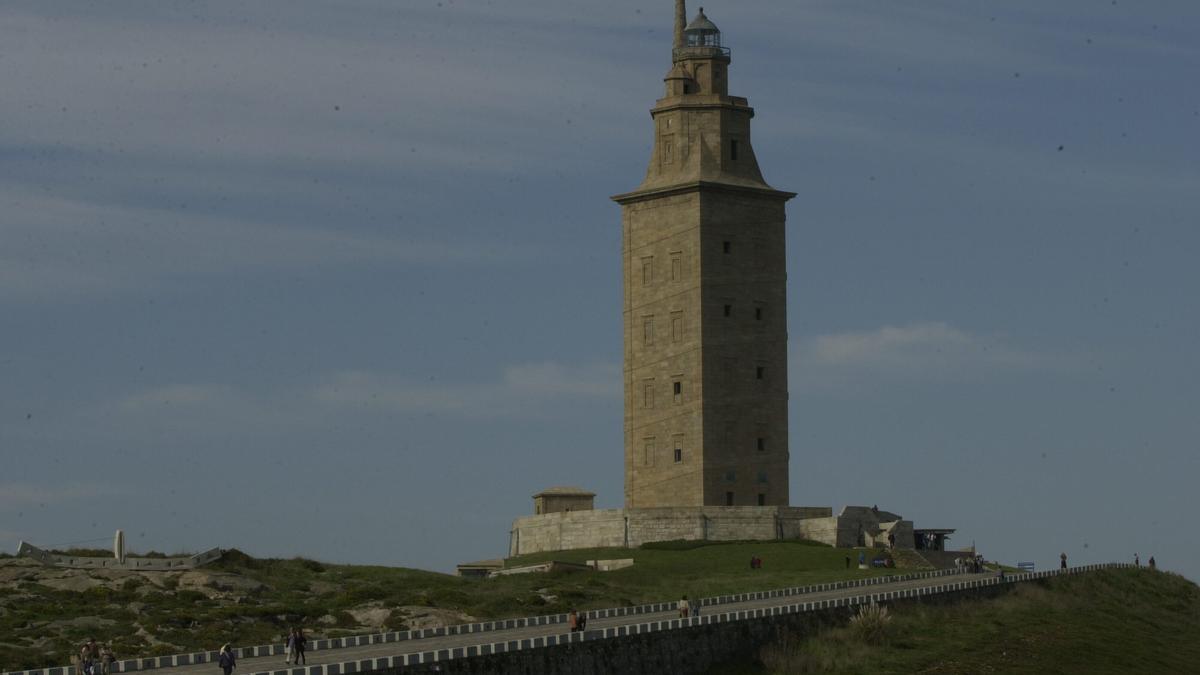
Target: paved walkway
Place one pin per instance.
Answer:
(269, 663)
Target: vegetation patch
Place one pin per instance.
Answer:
(1112, 621)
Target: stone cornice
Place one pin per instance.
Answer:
(697, 186)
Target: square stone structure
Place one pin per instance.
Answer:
(705, 306)
(562, 499)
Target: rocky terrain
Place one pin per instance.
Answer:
(46, 611)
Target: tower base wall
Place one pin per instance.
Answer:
(630, 528)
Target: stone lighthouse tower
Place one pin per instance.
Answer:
(704, 278)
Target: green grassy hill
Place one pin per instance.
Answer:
(46, 612)
(1114, 621)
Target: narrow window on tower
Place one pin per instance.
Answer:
(762, 444)
(647, 270)
(678, 393)
(733, 149)
(728, 310)
(728, 499)
(760, 372)
(678, 450)
(727, 247)
(759, 312)
(676, 326)
(649, 451)
(676, 267)
(668, 151)
(648, 330)
(762, 499)
(647, 394)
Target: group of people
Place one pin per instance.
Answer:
(755, 562)
(969, 564)
(1149, 563)
(576, 621)
(295, 647)
(95, 658)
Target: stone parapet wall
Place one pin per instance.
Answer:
(633, 527)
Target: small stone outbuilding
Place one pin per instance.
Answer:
(561, 499)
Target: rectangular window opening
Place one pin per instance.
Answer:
(648, 330)
(762, 444)
(648, 396)
(728, 499)
(733, 150)
(762, 499)
(760, 372)
(649, 449)
(678, 393)
(727, 247)
(676, 268)
(728, 310)
(678, 454)
(647, 271)
(758, 313)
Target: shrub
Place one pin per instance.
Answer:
(871, 624)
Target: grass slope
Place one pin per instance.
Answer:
(249, 601)
(1115, 621)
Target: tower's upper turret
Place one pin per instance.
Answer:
(699, 39)
(701, 32)
(702, 133)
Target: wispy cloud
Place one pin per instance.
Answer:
(66, 247)
(17, 495)
(914, 352)
(518, 392)
(522, 391)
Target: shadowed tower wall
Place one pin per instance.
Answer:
(704, 277)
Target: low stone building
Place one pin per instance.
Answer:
(630, 528)
(562, 499)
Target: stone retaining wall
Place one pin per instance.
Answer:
(633, 527)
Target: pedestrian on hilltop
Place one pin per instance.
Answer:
(1062, 561)
(289, 645)
(1136, 561)
(301, 644)
(106, 660)
(573, 621)
(1151, 563)
(226, 659)
(684, 607)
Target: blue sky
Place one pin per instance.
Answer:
(342, 279)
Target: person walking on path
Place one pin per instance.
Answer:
(573, 621)
(1151, 563)
(1062, 557)
(226, 659)
(289, 646)
(85, 659)
(684, 607)
(106, 660)
(299, 642)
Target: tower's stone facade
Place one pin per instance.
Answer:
(705, 314)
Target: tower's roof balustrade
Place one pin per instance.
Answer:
(699, 52)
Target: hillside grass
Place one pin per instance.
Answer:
(41, 626)
(1113, 621)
